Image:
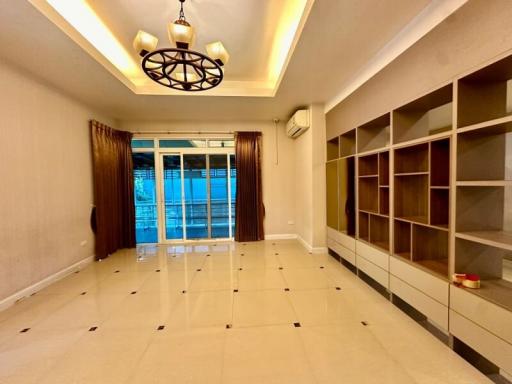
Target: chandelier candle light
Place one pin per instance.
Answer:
(181, 68)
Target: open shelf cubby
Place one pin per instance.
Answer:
(489, 263)
(331, 197)
(411, 198)
(374, 134)
(368, 194)
(364, 226)
(430, 249)
(384, 200)
(485, 154)
(403, 238)
(485, 94)
(425, 116)
(379, 231)
(347, 196)
(484, 215)
(413, 159)
(439, 207)
(440, 163)
(384, 169)
(348, 143)
(333, 151)
(369, 165)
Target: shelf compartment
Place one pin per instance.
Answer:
(485, 154)
(439, 207)
(369, 165)
(348, 143)
(411, 159)
(346, 196)
(430, 249)
(497, 239)
(384, 201)
(333, 149)
(364, 226)
(374, 134)
(368, 194)
(485, 94)
(428, 115)
(331, 175)
(379, 231)
(384, 168)
(403, 236)
(411, 198)
(482, 209)
(440, 162)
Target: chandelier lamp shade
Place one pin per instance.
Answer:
(180, 67)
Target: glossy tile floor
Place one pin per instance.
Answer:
(264, 312)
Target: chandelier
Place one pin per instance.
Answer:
(181, 68)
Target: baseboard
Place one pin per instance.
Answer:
(9, 301)
(281, 236)
(310, 248)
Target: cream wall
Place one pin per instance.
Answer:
(46, 181)
(310, 181)
(477, 32)
(278, 169)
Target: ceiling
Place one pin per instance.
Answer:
(338, 38)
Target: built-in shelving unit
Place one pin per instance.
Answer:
(435, 198)
(373, 195)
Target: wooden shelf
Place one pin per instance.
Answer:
(368, 194)
(428, 115)
(333, 149)
(411, 197)
(404, 255)
(348, 143)
(403, 239)
(439, 267)
(374, 134)
(367, 176)
(484, 183)
(413, 219)
(497, 291)
(411, 174)
(379, 231)
(430, 249)
(439, 187)
(383, 186)
(498, 239)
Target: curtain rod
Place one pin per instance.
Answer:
(185, 132)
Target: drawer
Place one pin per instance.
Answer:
(373, 254)
(493, 348)
(435, 311)
(376, 273)
(432, 286)
(345, 240)
(342, 251)
(492, 317)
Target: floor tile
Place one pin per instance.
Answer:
(306, 278)
(258, 279)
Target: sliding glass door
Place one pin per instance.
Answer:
(199, 192)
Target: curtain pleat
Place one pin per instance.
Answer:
(250, 211)
(113, 189)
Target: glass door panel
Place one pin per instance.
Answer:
(173, 205)
(219, 203)
(144, 185)
(232, 170)
(195, 179)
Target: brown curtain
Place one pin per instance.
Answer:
(249, 198)
(113, 189)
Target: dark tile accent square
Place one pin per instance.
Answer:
(322, 267)
(25, 330)
(273, 243)
(364, 323)
(280, 268)
(235, 290)
(199, 270)
(33, 294)
(296, 325)
(157, 270)
(183, 291)
(276, 253)
(92, 329)
(116, 271)
(207, 254)
(83, 293)
(77, 271)
(240, 269)
(229, 326)
(160, 327)
(133, 292)
(287, 289)
(338, 288)
(241, 254)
